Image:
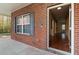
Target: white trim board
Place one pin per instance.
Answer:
(59, 51)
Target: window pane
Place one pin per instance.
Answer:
(19, 20)
(19, 28)
(26, 29)
(26, 19)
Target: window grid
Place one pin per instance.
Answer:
(27, 26)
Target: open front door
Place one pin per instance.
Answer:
(60, 27)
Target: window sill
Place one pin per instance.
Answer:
(27, 34)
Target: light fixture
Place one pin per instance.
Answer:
(59, 8)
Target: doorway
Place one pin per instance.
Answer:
(59, 33)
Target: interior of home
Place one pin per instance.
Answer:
(59, 24)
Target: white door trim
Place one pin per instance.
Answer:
(72, 29)
(72, 25)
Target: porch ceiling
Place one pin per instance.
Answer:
(7, 8)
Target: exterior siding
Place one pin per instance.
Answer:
(39, 37)
(76, 20)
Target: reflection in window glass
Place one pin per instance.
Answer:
(24, 24)
(26, 28)
(19, 28)
(26, 19)
(19, 20)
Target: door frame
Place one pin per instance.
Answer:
(72, 28)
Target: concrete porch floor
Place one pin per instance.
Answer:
(12, 47)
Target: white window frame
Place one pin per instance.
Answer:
(22, 24)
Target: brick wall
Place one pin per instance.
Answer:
(76, 20)
(39, 39)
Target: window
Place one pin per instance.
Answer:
(63, 26)
(25, 24)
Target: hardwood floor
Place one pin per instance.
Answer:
(58, 42)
